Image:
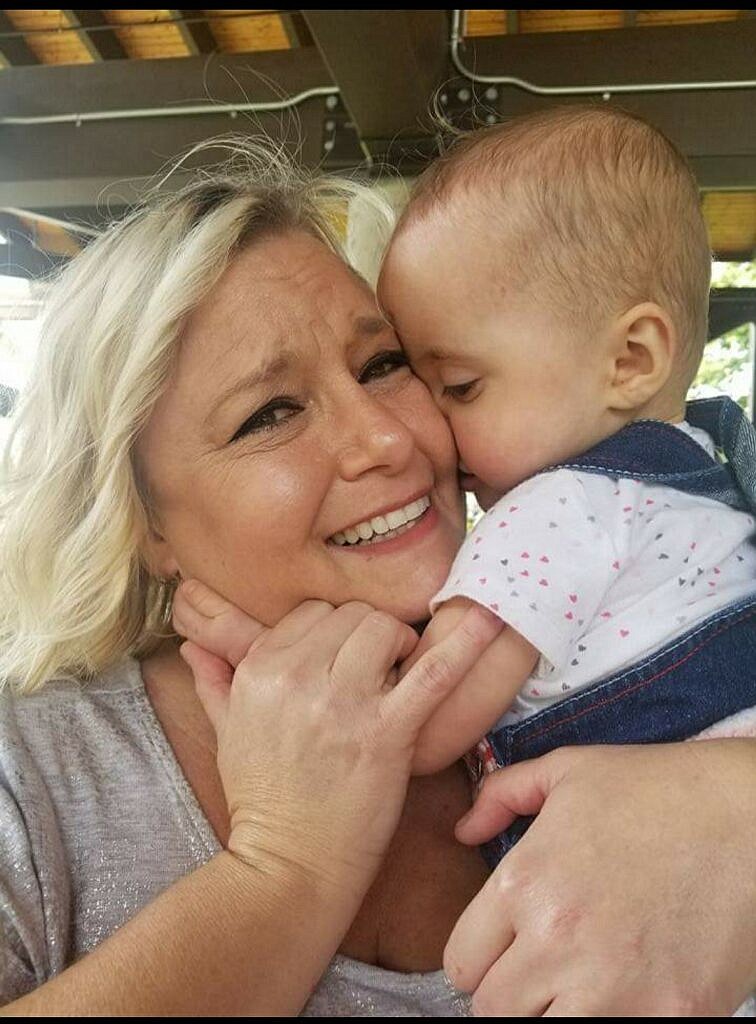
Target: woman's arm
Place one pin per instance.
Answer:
(228, 939)
(633, 892)
(252, 930)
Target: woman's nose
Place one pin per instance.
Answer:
(373, 437)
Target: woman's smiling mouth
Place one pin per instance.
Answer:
(384, 527)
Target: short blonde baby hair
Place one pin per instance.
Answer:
(595, 209)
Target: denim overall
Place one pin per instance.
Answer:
(701, 676)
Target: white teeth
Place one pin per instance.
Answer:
(397, 518)
(397, 521)
(379, 525)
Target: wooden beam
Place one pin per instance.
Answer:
(14, 48)
(713, 128)
(59, 166)
(102, 44)
(197, 34)
(130, 84)
(669, 53)
(296, 28)
(729, 308)
(387, 65)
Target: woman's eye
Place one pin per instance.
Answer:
(460, 391)
(269, 417)
(383, 364)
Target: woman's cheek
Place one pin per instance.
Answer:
(431, 426)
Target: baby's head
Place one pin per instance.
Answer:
(549, 279)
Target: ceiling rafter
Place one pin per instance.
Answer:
(101, 45)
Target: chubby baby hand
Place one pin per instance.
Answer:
(213, 623)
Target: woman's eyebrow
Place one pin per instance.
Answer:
(369, 326)
(267, 371)
(279, 365)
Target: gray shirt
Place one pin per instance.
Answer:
(97, 818)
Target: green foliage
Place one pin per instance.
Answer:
(727, 365)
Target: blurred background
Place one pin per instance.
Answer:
(95, 106)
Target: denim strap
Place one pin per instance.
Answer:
(733, 434)
(660, 453)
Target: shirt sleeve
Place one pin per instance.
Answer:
(34, 884)
(21, 919)
(541, 560)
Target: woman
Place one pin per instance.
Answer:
(218, 398)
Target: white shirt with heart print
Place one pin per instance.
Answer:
(598, 573)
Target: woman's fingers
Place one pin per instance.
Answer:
(308, 640)
(212, 622)
(212, 680)
(514, 986)
(298, 624)
(480, 936)
(604, 890)
(377, 643)
(508, 794)
(437, 672)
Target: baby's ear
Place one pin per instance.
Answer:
(644, 346)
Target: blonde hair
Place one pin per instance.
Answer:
(596, 210)
(75, 592)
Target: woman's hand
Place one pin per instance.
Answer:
(315, 737)
(633, 892)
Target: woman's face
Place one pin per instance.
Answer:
(290, 421)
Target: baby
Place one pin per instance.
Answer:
(549, 280)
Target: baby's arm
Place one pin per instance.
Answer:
(479, 700)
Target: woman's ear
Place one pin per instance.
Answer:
(643, 347)
(158, 556)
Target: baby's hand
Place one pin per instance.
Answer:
(213, 623)
(479, 700)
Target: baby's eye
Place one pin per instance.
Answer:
(461, 392)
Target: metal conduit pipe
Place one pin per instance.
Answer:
(231, 109)
(576, 90)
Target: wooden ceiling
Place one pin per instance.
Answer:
(74, 37)
(383, 91)
(496, 23)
